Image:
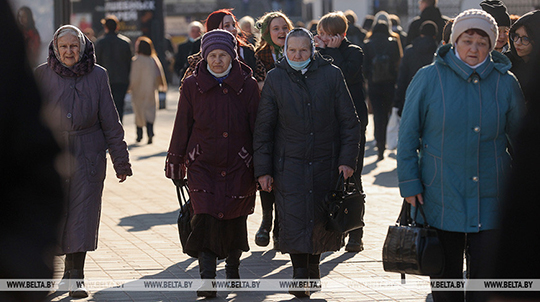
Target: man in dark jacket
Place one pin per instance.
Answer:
(191, 46)
(429, 11)
(113, 51)
(416, 56)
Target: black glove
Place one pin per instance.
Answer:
(178, 182)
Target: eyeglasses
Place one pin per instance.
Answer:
(524, 40)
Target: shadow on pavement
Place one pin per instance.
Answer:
(387, 179)
(143, 222)
(160, 154)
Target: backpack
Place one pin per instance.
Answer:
(382, 69)
(382, 66)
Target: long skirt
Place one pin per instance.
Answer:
(217, 236)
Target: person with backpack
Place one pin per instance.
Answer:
(331, 42)
(381, 62)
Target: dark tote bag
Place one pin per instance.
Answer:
(411, 248)
(184, 216)
(345, 206)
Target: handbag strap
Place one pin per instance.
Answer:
(180, 194)
(405, 217)
(342, 184)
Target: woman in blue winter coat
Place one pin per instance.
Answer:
(460, 114)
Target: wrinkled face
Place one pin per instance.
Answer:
(278, 31)
(218, 60)
(69, 49)
(298, 49)
(472, 49)
(502, 39)
(194, 32)
(229, 25)
(522, 50)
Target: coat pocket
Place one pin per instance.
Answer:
(430, 167)
(96, 167)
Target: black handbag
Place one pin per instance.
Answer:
(411, 248)
(184, 216)
(345, 206)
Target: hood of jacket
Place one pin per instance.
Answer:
(317, 60)
(531, 21)
(236, 78)
(496, 61)
(431, 13)
(425, 45)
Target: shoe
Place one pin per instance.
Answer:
(380, 157)
(300, 273)
(149, 140)
(262, 238)
(354, 246)
(77, 288)
(207, 269)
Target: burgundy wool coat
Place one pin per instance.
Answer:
(213, 139)
(82, 114)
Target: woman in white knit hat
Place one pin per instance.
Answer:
(460, 114)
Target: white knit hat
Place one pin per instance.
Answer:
(475, 19)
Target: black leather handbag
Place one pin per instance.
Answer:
(184, 216)
(411, 248)
(345, 206)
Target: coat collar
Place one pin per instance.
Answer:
(496, 61)
(238, 74)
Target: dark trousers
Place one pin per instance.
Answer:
(381, 96)
(118, 91)
(359, 233)
(477, 248)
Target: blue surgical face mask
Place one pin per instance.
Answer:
(298, 65)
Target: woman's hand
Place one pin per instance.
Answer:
(266, 182)
(121, 177)
(335, 41)
(412, 199)
(347, 171)
(318, 42)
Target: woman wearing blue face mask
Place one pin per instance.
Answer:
(306, 133)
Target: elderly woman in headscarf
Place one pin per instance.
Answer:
(306, 133)
(81, 112)
(212, 139)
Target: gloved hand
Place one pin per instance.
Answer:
(178, 182)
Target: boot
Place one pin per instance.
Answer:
(150, 131)
(262, 238)
(355, 243)
(300, 273)
(76, 276)
(232, 263)
(207, 270)
(77, 288)
(139, 134)
(275, 232)
(315, 275)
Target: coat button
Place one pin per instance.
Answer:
(310, 163)
(476, 129)
(68, 115)
(311, 133)
(220, 215)
(225, 90)
(475, 178)
(223, 173)
(309, 104)
(225, 134)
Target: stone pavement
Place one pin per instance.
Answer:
(138, 237)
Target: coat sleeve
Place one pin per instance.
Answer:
(410, 132)
(349, 124)
(112, 129)
(516, 111)
(183, 125)
(265, 124)
(402, 80)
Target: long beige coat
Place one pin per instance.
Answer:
(145, 79)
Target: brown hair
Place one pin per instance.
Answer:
(333, 23)
(145, 46)
(263, 24)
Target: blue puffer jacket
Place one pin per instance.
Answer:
(454, 131)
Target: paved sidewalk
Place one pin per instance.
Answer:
(138, 238)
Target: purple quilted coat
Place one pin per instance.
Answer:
(80, 109)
